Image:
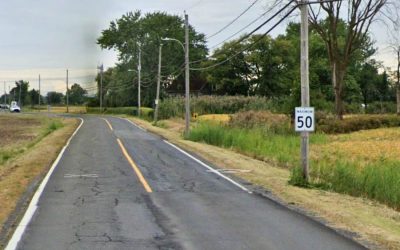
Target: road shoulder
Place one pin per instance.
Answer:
(25, 173)
(367, 222)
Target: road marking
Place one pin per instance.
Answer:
(232, 171)
(135, 167)
(81, 176)
(108, 123)
(139, 127)
(212, 170)
(33, 205)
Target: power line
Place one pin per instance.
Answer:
(234, 20)
(255, 30)
(245, 27)
(247, 47)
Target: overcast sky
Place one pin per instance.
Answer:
(48, 36)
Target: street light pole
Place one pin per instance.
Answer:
(158, 84)
(139, 75)
(101, 87)
(187, 85)
(305, 92)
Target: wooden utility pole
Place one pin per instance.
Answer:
(19, 97)
(158, 84)
(187, 85)
(39, 93)
(305, 92)
(5, 94)
(398, 81)
(139, 68)
(67, 94)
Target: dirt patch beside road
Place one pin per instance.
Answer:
(15, 129)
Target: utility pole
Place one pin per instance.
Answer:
(139, 75)
(305, 92)
(187, 85)
(5, 94)
(40, 97)
(67, 94)
(19, 97)
(101, 87)
(158, 84)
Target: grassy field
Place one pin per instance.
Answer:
(365, 163)
(28, 146)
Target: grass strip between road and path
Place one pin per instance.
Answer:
(373, 222)
(22, 170)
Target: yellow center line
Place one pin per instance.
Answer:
(135, 167)
(108, 123)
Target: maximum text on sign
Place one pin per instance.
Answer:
(304, 119)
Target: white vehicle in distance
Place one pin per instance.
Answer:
(14, 107)
(4, 107)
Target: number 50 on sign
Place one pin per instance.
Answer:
(304, 119)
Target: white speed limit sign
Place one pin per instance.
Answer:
(304, 119)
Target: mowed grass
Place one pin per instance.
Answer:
(29, 145)
(365, 163)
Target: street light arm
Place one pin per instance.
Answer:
(173, 39)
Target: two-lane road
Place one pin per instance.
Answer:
(119, 187)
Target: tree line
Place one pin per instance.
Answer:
(25, 97)
(344, 77)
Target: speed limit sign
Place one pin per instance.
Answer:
(304, 119)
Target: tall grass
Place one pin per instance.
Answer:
(174, 106)
(256, 142)
(146, 113)
(379, 180)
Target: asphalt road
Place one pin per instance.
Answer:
(95, 199)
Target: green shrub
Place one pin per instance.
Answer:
(275, 123)
(297, 178)
(54, 125)
(381, 108)
(356, 123)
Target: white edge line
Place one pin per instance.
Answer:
(198, 161)
(134, 124)
(17, 235)
(209, 168)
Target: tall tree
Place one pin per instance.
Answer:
(326, 18)
(54, 98)
(77, 94)
(20, 92)
(395, 47)
(33, 97)
(134, 31)
(368, 80)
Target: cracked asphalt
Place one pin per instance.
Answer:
(94, 200)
